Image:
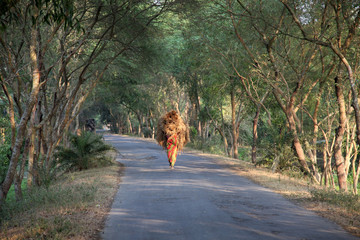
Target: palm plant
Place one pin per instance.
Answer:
(86, 150)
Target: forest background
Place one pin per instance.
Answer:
(273, 82)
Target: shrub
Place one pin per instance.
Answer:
(279, 158)
(86, 150)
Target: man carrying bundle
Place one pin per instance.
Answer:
(172, 135)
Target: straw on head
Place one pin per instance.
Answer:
(170, 124)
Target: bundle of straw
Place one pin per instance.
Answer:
(170, 124)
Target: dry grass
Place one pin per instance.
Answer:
(74, 207)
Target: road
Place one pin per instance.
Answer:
(200, 200)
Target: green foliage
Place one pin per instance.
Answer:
(193, 132)
(11, 194)
(243, 154)
(4, 160)
(212, 145)
(350, 178)
(46, 175)
(86, 151)
(279, 158)
(5, 148)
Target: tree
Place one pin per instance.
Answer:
(337, 31)
(275, 73)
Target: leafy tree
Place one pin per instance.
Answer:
(333, 25)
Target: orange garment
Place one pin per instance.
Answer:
(172, 149)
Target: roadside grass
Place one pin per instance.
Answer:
(73, 207)
(345, 200)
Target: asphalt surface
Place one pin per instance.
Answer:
(200, 200)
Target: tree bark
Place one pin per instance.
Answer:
(129, 124)
(338, 154)
(226, 145)
(19, 176)
(296, 141)
(255, 135)
(5, 186)
(31, 161)
(233, 123)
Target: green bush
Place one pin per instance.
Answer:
(87, 150)
(279, 158)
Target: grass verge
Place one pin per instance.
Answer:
(74, 207)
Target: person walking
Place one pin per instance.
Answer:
(172, 135)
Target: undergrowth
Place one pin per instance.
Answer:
(338, 198)
(66, 209)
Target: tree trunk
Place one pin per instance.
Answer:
(297, 144)
(324, 176)
(354, 171)
(226, 145)
(140, 124)
(353, 87)
(129, 124)
(77, 124)
(31, 162)
(312, 157)
(233, 123)
(19, 176)
(338, 154)
(255, 134)
(5, 186)
(197, 112)
(151, 124)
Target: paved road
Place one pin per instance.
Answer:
(200, 200)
